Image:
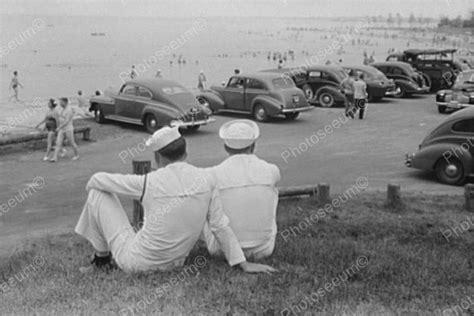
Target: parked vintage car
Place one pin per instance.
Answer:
(261, 94)
(320, 84)
(151, 102)
(448, 149)
(407, 80)
(460, 96)
(438, 64)
(378, 85)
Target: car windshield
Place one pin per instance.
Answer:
(283, 83)
(180, 96)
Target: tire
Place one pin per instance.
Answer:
(450, 172)
(151, 123)
(308, 92)
(193, 128)
(441, 109)
(98, 115)
(259, 113)
(401, 94)
(326, 99)
(205, 103)
(291, 116)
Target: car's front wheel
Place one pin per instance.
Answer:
(326, 99)
(193, 128)
(450, 171)
(151, 123)
(308, 92)
(400, 92)
(99, 115)
(259, 113)
(441, 109)
(205, 103)
(291, 116)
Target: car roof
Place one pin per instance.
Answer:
(401, 64)
(461, 114)
(266, 75)
(366, 68)
(324, 68)
(154, 84)
(431, 51)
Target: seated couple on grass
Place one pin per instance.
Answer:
(232, 207)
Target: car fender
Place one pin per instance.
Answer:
(95, 101)
(164, 114)
(427, 157)
(405, 85)
(216, 101)
(338, 96)
(272, 106)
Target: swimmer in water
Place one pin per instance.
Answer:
(14, 84)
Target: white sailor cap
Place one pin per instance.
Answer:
(239, 134)
(163, 137)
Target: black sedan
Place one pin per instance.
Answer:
(151, 102)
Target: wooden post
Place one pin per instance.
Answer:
(393, 195)
(323, 192)
(469, 194)
(139, 167)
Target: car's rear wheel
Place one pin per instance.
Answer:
(308, 92)
(400, 92)
(99, 115)
(450, 171)
(151, 123)
(441, 109)
(326, 99)
(259, 113)
(292, 116)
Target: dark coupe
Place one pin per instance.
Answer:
(151, 102)
(378, 85)
(262, 95)
(460, 96)
(320, 84)
(448, 149)
(408, 80)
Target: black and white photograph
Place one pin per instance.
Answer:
(237, 157)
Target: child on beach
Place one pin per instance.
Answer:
(50, 121)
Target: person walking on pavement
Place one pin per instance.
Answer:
(360, 95)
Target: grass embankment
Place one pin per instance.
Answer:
(384, 262)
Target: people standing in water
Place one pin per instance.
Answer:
(158, 74)
(15, 84)
(50, 122)
(65, 130)
(202, 81)
(133, 73)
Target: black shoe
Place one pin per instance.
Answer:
(106, 264)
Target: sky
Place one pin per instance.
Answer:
(267, 8)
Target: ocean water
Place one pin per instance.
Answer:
(58, 55)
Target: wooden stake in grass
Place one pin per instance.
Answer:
(469, 194)
(139, 167)
(393, 195)
(323, 192)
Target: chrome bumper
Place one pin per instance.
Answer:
(294, 110)
(393, 92)
(451, 105)
(192, 123)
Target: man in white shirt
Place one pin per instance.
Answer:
(178, 200)
(248, 193)
(360, 95)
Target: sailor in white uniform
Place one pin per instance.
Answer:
(248, 193)
(178, 200)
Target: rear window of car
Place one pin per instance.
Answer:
(464, 126)
(173, 90)
(283, 83)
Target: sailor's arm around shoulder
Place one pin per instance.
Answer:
(129, 185)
